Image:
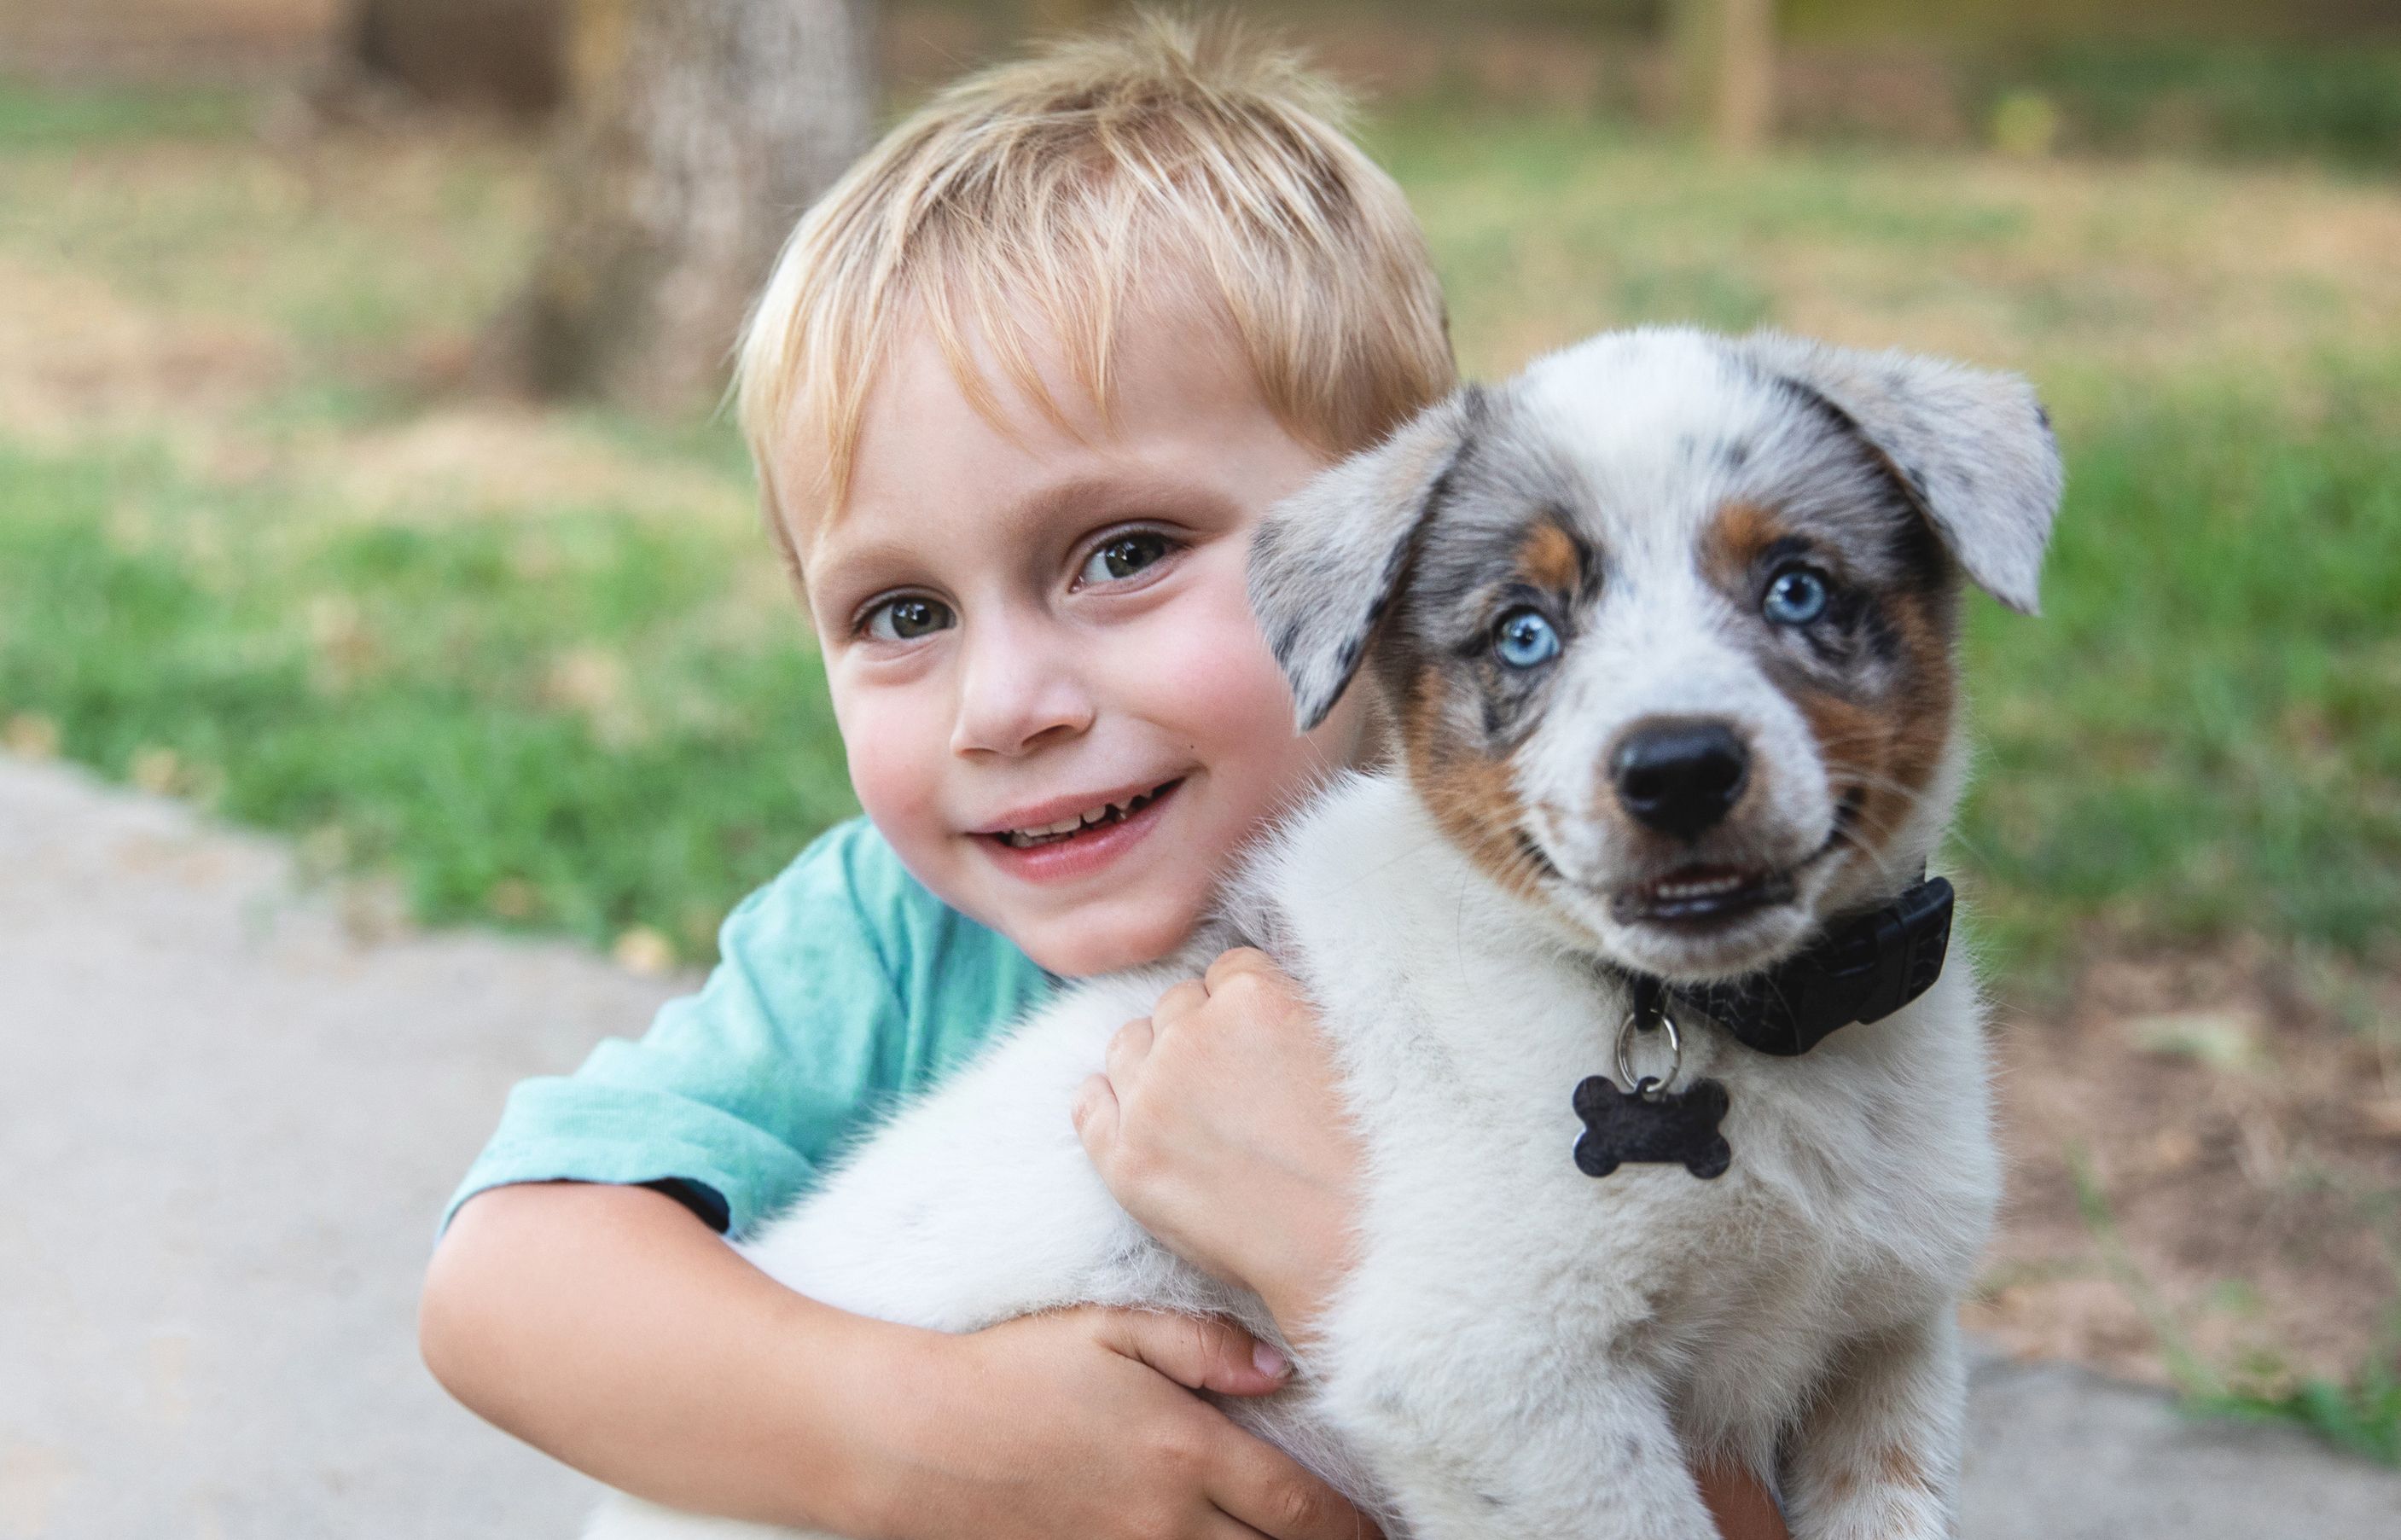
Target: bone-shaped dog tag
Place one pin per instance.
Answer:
(1650, 1126)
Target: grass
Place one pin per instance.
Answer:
(2200, 737)
(53, 118)
(2259, 100)
(558, 725)
(542, 669)
(2362, 1414)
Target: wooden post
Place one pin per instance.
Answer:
(1725, 69)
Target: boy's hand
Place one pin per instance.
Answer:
(1217, 1127)
(1080, 1423)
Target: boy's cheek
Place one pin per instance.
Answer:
(1207, 672)
(895, 763)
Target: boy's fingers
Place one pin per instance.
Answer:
(1241, 959)
(1268, 1491)
(1180, 1001)
(1197, 1352)
(1128, 1045)
(1095, 1112)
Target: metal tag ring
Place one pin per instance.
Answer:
(1625, 1058)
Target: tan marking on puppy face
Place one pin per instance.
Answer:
(1473, 796)
(1885, 752)
(1735, 536)
(1548, 559)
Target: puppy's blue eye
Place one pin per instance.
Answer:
(1795, 595)
(1525, 640)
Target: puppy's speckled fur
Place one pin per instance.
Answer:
(1521, 1351)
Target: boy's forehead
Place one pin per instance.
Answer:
(992, 419)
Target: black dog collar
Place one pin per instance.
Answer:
(1862, 972)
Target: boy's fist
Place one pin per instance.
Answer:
(1216, 1125)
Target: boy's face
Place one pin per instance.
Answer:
(1027, 628)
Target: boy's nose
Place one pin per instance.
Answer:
(1016, 693)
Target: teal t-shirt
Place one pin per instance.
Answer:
(842, 986)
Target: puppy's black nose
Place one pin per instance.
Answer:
(1681, 775)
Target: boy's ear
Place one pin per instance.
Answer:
(1974, 448)
(1328, 560)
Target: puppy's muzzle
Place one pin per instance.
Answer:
(1680, 776)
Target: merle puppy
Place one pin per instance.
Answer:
(1676, 1120)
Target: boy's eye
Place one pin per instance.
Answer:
(906, 618)
(1122, 556)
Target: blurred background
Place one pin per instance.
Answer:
(360, 482)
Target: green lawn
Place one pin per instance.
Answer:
(541, 667)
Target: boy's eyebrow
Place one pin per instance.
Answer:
(1105, 492)
(1091, 496)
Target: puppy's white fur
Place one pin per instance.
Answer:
(1520, 1351)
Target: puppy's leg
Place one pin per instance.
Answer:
(1879, 1458)
(1472, 1445)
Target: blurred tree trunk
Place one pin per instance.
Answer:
(1725, 69)
(697, 132)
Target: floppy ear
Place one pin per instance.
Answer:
(1974, 448)
(1326, 560)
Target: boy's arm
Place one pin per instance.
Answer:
(611, 1327)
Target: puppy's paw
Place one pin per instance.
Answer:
(1891, 1499)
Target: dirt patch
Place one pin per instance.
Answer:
(76, 358)
(2205, 1160)
(479, 458)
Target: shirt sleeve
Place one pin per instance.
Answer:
(842, 986)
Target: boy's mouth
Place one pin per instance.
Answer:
(1100, 816)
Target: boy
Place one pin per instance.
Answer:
(1018, 389)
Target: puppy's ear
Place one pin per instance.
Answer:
(1328, 560)
(1974, 448)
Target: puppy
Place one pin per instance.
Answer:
(1666, 630)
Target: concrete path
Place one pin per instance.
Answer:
(227, 1125)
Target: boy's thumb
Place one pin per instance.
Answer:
(1199, 1352)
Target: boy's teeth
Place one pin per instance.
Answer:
(1021, 838)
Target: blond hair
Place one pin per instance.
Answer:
(1053, 188)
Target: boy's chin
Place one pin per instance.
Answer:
(1087, 941)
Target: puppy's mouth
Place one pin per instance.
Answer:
(1710, 895)
(1701, 896)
